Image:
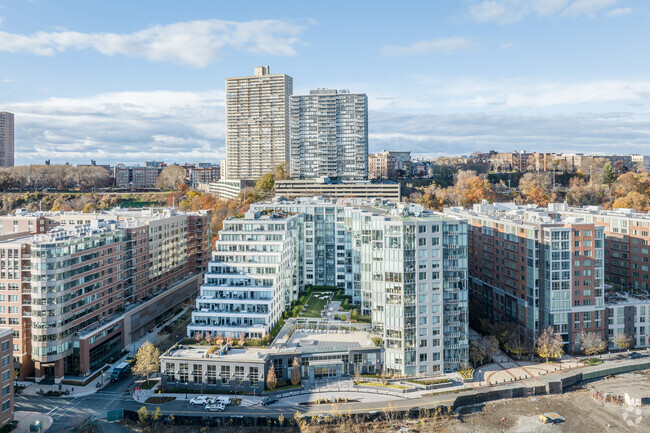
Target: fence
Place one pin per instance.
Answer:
(396, 393)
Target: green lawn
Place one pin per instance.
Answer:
(314, 305)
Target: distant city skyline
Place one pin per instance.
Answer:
(123, 82)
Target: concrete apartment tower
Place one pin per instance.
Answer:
(6, 139)
(329, 135)
(257, 132)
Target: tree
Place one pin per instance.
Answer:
(208, 337)
(271, 380)
(383, 378)
(607, 175)
(476, 354)
(623, 341)
(295, 372)
(266, 183)
(491, 345)
(357, 373)
(470, 188)
(171, 177)
(592, 343)
(147, 360)
(549, 344)
(280, 171)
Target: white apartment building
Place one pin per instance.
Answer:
(252, 278)
(329, 135)
(257, 131)
(405, 266)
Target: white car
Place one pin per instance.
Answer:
(201, 400)
(216, 407)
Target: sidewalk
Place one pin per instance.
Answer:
(81, 391)
(25, 419)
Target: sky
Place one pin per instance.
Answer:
(131, 81)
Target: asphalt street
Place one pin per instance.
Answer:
(69, 412)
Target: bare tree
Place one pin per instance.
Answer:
(549, 344)
(357, 373)
(383, 378)
(592, 343)
(476, 354)
(171, 177)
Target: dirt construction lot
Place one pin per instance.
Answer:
(583, 415)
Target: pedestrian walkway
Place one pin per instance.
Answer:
(25, 419)
(103, 379)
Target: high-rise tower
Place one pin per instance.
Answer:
(257, 133)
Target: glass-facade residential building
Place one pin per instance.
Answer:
(404, 266)
(252, 278)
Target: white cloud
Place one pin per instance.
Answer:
(455, 133)
(424, 47)
(429, 93)
(433, 117)
(126, 127)
(509, 11)
(7, 80)
(619, 12)
(196, 43)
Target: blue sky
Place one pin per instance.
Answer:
(129, 81)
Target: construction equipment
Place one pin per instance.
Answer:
(551, 418)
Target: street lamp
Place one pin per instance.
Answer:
(185, 390)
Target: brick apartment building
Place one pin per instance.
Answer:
(6, 377)
(532, 269)
(68, 279)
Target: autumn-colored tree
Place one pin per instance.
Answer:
(592, 343)
(549, 344)
(280, 172)
(469, 188)
(633, 200)
(147, 360)
(271, 379)
(208, 337)
(295, 372)
(219, 339)
(623, 341)
(198, 336)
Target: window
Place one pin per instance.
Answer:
(253, 375)
(6, 405)
(212, 375)
(225, 374)
(423, 357)
(5, 390)
(169, 370)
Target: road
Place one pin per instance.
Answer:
(68, 412)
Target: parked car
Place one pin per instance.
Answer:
(130, 359)
(269, 400)
(636, 355)
(200, 400)
(216, 407)
(224, 399)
